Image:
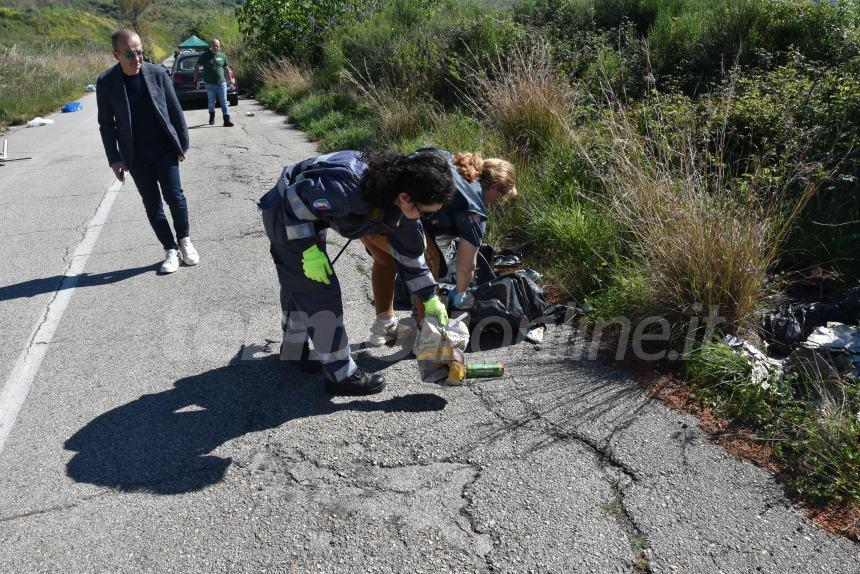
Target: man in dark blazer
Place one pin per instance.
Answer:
(143, 131)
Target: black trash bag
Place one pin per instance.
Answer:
(507, 304)
(792, 323)
(782, 330)
(485, 271)
(560, 312)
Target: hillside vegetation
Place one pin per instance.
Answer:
(674, 156)
(49, 51)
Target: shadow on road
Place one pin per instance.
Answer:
(160, 443)
(35, 287)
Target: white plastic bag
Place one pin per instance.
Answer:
(437, 346)
(39, 121)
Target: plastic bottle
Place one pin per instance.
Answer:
(485, 370)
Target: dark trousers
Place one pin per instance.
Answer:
(149, 172)
(310, 309)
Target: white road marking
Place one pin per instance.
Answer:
(21, 378)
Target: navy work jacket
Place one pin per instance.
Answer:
(323, 192)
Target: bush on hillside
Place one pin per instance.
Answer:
(691, 42)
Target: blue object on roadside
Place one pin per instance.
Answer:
(72, 107)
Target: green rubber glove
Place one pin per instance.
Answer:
(435, 308)
(315, 265)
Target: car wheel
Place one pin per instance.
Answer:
(233, 99)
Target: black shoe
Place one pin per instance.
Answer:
(227, 122)
(359, 383)
(301, 360)
(211, 118)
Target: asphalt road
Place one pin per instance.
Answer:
(161, 434)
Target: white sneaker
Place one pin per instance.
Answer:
(171, 261)
(187, 252)
(382, 331)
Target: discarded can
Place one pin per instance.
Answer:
(486, 370)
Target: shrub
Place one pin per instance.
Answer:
(351, 136)
(309, 108)
(293, 80)
(321, 127)
(723, 381)
(294, 29)
(692, 41)
(400, 111)
(821, 452)
(420, 45)
(277, 98)
(454, 132)
(817, 441)
(807, 112)
(707, 243)
(523, 98)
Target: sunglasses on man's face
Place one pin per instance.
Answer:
(132, 54)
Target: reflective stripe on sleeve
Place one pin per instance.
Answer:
(410, 262)
(420, 282)
(300, 231)
(296, 204)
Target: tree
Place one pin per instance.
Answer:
(296, 28)
(137, 14)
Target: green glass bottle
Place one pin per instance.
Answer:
(485, 370)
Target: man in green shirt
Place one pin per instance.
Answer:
(216, 70)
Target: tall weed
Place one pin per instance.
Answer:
(283, 73)
(400, 111)
(522, 97)
(707, 242)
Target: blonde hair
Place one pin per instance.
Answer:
(488, 171)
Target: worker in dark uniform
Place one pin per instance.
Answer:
(478, 183)
(356, 195)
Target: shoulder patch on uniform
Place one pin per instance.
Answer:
(321, 204)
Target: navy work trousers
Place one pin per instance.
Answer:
(308, 308)
(150, 171)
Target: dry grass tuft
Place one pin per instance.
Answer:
(286, 74)
(522, 97)
(706, 242)
(399, 110)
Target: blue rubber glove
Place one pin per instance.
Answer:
(455, 299)
(315, 265)
(434, 307)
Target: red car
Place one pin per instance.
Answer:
(182, 74)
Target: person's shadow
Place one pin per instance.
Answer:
(160, 443)
(35, 287)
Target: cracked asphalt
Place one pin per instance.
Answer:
(161, 434)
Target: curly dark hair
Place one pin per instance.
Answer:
(424, 177)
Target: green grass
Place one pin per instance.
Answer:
(49, 53)
(55, 25)
(34, 83)
(814, 429)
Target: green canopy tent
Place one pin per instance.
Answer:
(193, 43)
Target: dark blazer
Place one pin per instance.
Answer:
(115, 115)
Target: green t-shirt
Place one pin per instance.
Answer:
(213, 67)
